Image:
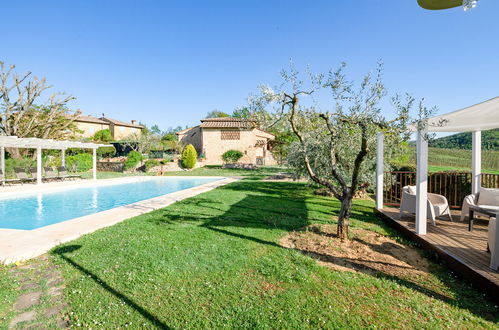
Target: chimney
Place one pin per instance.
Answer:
(134, 122)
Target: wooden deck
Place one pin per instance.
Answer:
(465, 252)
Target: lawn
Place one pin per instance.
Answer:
(215, 260)
(259, 173)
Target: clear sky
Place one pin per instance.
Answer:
(170, 62)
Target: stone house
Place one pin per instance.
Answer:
(89, 125)
(214, 136)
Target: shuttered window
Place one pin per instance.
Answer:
(230, 135)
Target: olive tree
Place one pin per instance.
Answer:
(336, 139)
(23, 115)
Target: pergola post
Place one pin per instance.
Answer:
(476, 166)
(379, 169)
(94, 162)
(421, 181)
(2, 163)
(63, 157)
(39, 165)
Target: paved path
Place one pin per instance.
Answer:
(40, 304)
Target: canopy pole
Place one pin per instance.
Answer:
(379, 170)
(94, 161)
(476, 166)
(39, 165)
(63, 157)
(2, 163)
(421, 181)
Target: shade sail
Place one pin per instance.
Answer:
(479, 117)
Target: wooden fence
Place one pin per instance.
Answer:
(453, 185)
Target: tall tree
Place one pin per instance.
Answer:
(21, 113)
(335, 148)
(217, 114)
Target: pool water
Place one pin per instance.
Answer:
(46, 208)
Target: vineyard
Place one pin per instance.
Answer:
(458, 159)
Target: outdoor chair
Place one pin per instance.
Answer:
(63, 174)
(22, 176)
(487, 197)
(437, 205)
(50, 174)
(493, 243)
(4, 181)
(33, 172)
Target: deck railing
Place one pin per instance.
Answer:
(453, 185)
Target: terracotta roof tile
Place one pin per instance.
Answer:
(227, 123)
(90, 119)
(120, 123)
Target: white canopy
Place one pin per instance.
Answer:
(39, 144)
(479, 117)
(16, 142)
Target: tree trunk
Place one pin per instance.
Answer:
(344, 217)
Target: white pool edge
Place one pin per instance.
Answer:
(20, 245)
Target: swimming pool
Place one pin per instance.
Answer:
(41, 209)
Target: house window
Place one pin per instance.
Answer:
(230, 135)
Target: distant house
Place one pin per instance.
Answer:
(89, 125)
(217, 135)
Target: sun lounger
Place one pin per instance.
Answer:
(4, 181)
(22, 176)
(51, 175)
(63, 174)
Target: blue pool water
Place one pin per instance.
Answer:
(42, 209)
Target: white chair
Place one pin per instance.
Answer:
(437, 205)
(493, 238)
(488, 197)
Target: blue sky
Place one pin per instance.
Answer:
(169, 63)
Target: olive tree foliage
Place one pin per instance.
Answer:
(336, 139)
(23, 115)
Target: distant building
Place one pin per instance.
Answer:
(217, 135)
(89, 125)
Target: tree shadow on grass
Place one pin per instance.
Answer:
(263, 208)
(67, 249)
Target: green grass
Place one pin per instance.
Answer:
(8, 294)
(435, 168)
(213, 261)
(259, 173)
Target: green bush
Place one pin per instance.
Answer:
(106, 152)
(150, 163)
(104, 135)
(80, 162)
(232, 156)
(189, 156)
(132, 160)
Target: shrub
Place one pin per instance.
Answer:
(104, 135)
(189, 156)
(132, 160)
(80, 162)
(232, 156)
(106, 152)
(150, 163)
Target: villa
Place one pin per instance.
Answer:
(214, 136)
(89, 125)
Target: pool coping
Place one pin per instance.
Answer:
(19, 245)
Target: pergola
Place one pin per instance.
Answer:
(476, 118)
(39, 145)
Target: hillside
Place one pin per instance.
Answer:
(490, 141)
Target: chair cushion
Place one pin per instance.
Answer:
(411, 190)
(488, 196)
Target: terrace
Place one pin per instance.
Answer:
(464, 250)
